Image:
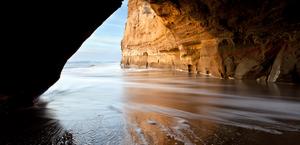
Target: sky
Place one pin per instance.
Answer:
(104, 45)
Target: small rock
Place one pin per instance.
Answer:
(151, 122)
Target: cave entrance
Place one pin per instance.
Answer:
(99, 53)
(104, 45)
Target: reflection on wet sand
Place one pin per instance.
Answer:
(181, 110)
(32, 126)
(106, 105)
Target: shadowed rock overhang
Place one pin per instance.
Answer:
(38, 38)
(237, 39)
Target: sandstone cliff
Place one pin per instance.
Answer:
(249, 39)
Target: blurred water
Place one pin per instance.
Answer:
(103, 104)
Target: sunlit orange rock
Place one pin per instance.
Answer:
(226, 39)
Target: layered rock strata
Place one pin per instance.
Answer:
(226, 39)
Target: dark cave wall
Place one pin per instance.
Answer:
(36, 41)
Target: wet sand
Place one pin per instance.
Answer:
(106, 105)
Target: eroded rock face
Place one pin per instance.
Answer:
(36, 41)
(246, 39)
